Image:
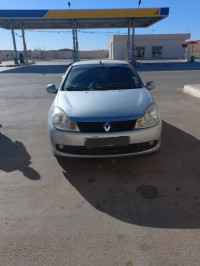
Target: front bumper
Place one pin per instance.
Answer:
(74, 143)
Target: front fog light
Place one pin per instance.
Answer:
(151, 143)
(61, 147)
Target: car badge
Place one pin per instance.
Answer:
(107, 126)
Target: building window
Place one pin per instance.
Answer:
(156, 51)
(140, 51)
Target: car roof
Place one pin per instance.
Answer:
(101, 61)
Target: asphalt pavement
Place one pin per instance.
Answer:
(131, 211)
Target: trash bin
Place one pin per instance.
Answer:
(21, 58)
(16, 60)
(192, 58)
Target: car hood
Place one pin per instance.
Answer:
(104, 105)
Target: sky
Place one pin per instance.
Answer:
(183, 18)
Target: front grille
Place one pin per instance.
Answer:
(98, 127)
(108, 150)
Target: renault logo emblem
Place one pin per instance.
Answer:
(107, 126)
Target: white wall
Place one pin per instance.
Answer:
(68, 54)
(83, 54)
(93, 54)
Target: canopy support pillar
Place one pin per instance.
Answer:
(133, 44)
(75, 44)
(77, 53)
(128, 45)
(14, 43)
(24, 43)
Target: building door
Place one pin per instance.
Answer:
(140, 51)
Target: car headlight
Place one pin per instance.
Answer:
(60, 120)
(150, 119)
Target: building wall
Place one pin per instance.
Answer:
(171, 45)
(93, 54)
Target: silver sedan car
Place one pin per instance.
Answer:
(102, 109)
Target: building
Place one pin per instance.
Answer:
(54, 54)
(9, 54)
(196, 49)
(149, 46)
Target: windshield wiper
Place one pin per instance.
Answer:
(77, 88)
(100, 87)
(118, 86)
(111, 86)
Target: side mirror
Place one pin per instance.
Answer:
(150, 85)
(51, 88)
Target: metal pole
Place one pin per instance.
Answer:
(133, 44)
(75, 42)
(24, 43)
(128, 45)
(76, 36)
(14, 42)
(74, 46)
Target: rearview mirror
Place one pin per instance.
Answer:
(150, 85)
(51, 88)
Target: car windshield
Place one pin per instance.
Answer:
(101, 77)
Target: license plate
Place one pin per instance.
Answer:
(103, 142)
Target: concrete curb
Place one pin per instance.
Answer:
(193, 90)
(13, 65)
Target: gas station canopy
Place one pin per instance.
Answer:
(81, 19)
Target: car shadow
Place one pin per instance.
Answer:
(14, 156)
(168, 66)
(160, 190)
(40, 69)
